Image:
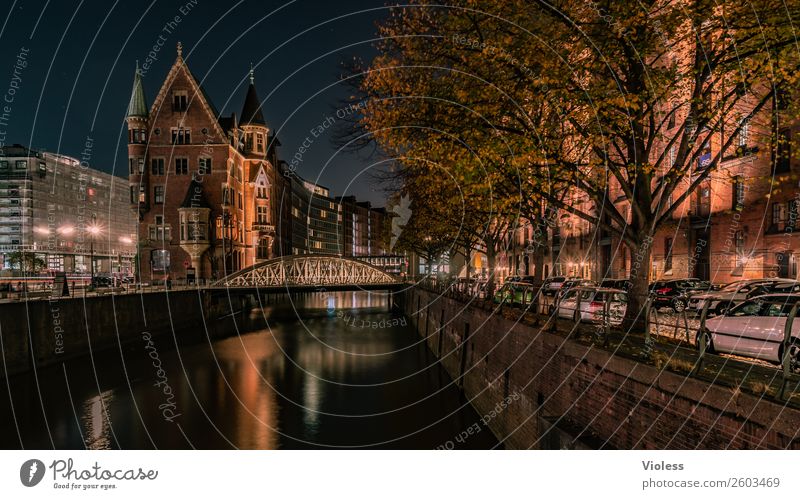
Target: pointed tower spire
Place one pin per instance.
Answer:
(137, 107)
(251, 112)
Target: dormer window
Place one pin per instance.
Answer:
(180, 100)
(261, 192)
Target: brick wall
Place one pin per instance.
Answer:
(601, 399)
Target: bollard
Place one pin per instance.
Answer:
(577, 315)
(606, 319)
(686, 324)
(787, 343)
(554, 315)
(648, 304)
(702, 337)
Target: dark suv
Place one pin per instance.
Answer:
(622, 284)
(675, 293)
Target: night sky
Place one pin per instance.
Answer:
(81, 58)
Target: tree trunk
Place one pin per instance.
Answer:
(490, 262)
(467, 255)
(640, 280)
(538, 273)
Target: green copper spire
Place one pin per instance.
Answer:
(138, 105)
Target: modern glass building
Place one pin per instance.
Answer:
(56, 213)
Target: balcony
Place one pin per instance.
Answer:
(263, 228)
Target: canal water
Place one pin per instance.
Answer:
(349, 374)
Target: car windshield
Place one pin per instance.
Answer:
(786, 288)
(759, 308)
(732, 286)
(569, 295)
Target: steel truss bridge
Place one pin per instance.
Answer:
(306, 270)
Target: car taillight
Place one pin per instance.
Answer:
(663, 291)
(594, 305)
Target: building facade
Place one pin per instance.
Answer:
(741, 222)
(210, 193)
(62, 214)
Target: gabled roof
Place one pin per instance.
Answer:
(195, 196)
(137, 107)
(178, 67)
(229, 123)
(256, 172)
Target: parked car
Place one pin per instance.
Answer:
(515, 293)
(591, 307)
(755, 328)
(552, 285)
(676, 293)
(734, 293)
(102, 282)
(623, 284)
(573, 282)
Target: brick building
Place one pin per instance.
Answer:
(206, 187)
(740, 223)
(212, 196)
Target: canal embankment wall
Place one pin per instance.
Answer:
(541, 390)
(37, 333)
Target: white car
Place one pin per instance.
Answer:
(734, 293)
(755, 329)
(591, 304)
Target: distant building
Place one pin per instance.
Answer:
(314, 220)
(59, 210)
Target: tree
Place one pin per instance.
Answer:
(26, 262)
(627, 104)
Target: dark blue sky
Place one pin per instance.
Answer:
(81, 58)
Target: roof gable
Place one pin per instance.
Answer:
(180, 74)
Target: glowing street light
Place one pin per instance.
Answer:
(93, 229)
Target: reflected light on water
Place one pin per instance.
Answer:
(312, 395)
(95, 421)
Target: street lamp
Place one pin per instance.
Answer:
(93, 230)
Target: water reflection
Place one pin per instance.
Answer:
(315, 382)
(95, 421)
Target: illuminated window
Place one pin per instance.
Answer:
(262, 215)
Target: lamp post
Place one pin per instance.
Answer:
(93, 230)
